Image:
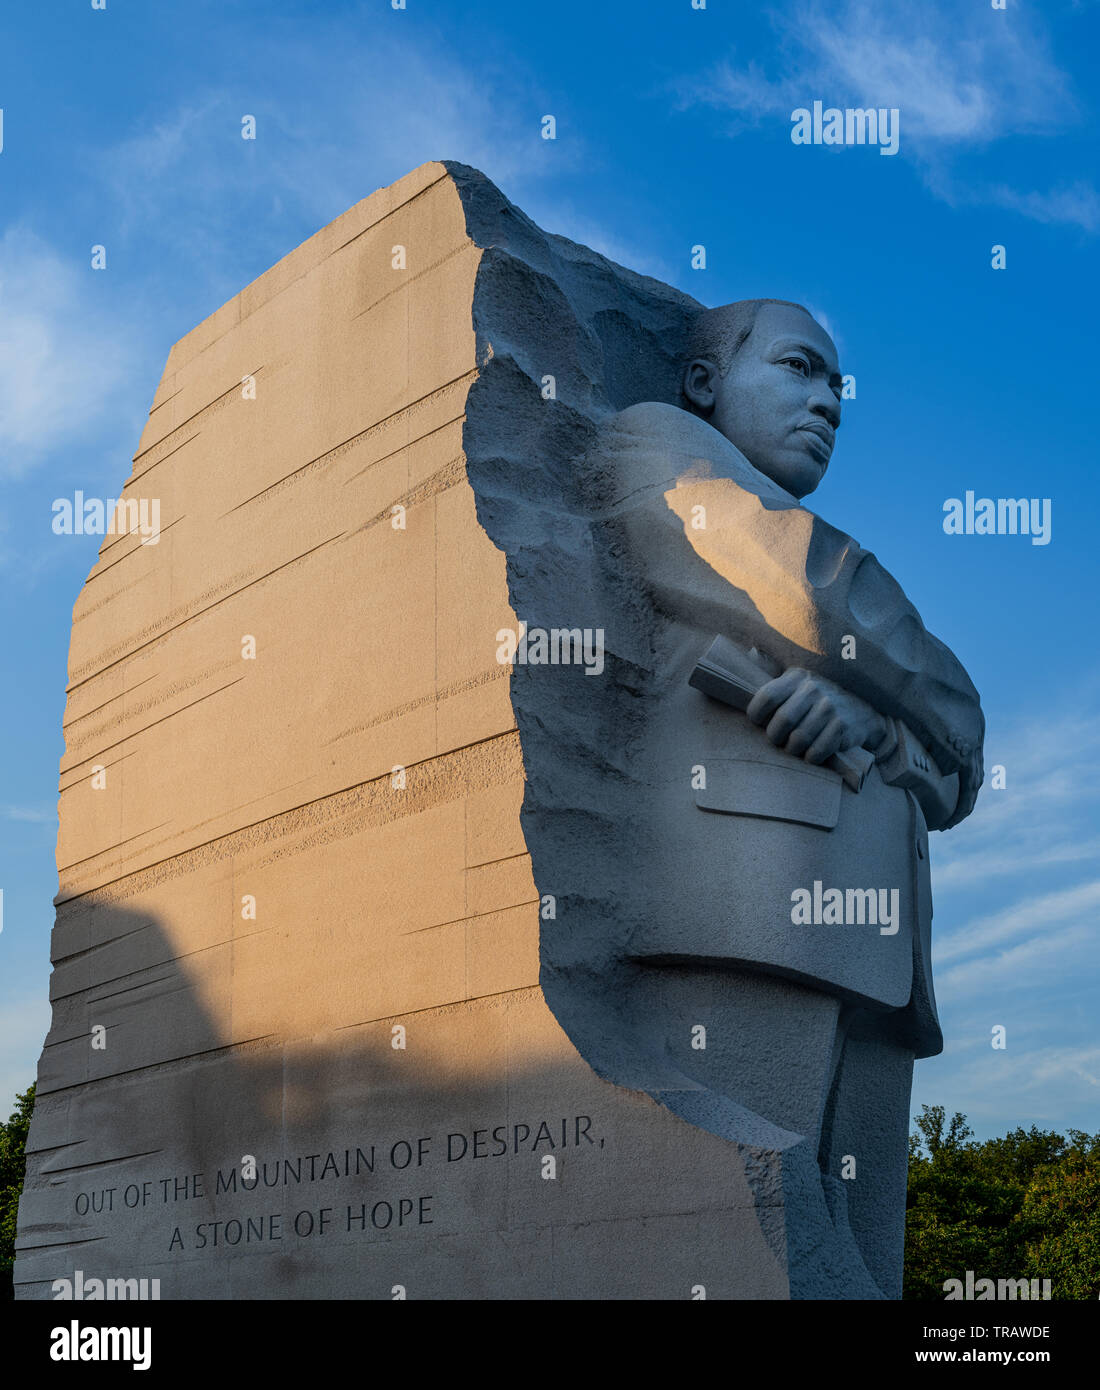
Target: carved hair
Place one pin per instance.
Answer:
(718, 335)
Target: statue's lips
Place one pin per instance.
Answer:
(822, 436)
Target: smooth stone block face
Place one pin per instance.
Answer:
(380, 960)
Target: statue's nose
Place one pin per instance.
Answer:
(824, 403)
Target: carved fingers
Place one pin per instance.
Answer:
(832, 739)
(773, 694)
(809, 716)
(812, 727)
(797, 720)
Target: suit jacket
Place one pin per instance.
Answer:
(741, 825)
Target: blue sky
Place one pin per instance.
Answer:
(122, 128)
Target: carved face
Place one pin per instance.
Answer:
(779, 402)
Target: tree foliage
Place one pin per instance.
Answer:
(13, 1142)
(1024, 1206)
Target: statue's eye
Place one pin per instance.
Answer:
(798, 363)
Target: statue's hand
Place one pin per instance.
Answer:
(812, 718)
(970, 781)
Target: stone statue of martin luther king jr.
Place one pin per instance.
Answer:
(808, 734)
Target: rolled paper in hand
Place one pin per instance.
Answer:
(727, 673)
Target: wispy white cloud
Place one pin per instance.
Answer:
(954, 78)
(1024, 966)
(66, 356)
(1075, 204)
(959, 82)
(978, 867)
(1052, 773)
(32, 814)
(1040, 912)
(342, 113)
(1052, 1064)
(1078, 205)
(1016, 940)
(1055, 1087)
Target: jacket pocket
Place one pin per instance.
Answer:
(791, 791)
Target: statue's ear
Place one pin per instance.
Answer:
(700, 377)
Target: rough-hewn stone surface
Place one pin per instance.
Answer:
(402, 954)
(376, 905)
